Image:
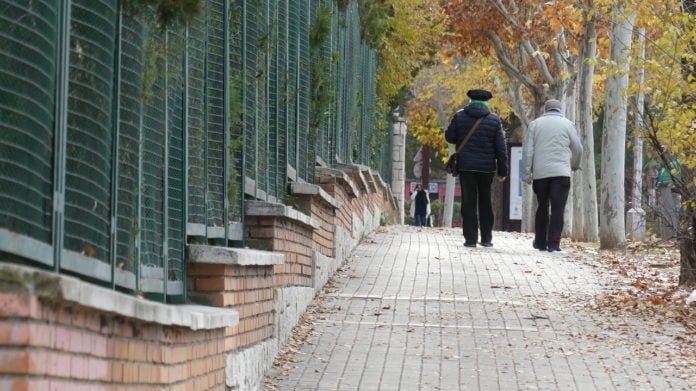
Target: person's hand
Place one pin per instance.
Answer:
(501, 179)
(529, 181)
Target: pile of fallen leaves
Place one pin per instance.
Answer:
(641, 283)
(646, 284)
(300, 334)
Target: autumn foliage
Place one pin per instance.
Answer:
(441, 90)
(534, 50)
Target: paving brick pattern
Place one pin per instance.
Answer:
(414, 309)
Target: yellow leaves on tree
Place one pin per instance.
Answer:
(511, 21)
(670, 110)
(414, 32)
(441, 90)
(670, 83)
(536, 43)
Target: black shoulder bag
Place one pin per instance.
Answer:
(451, 166)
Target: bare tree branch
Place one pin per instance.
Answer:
(500, 7)
(539, 60)
(509, 67)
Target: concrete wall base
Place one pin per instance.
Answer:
(291, 303)
(246, 368)
(325, 267)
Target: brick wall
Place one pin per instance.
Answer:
(246, 289)
(47, 345)
(337, 190)
(325, 214)
(289, 237)
(53, 340)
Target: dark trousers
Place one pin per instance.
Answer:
(553, 191)
(476, 205)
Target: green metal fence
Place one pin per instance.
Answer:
(122, 140)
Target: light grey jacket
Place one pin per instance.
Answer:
(551, 148)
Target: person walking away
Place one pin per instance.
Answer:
(550, 152)
(483, 154)
(421, 200)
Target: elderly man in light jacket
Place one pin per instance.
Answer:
(551, 151)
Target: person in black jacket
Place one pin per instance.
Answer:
(421, 200)
(483, 155)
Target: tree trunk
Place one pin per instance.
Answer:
(399, 164)
(448, 207)
(529, 202)
(687, 272)
(687, 248)
(635, 217)
(585, 225)
(569, 212)
(612, 228)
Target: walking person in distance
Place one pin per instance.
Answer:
(421, 200)
(478, 133)
(550, 152)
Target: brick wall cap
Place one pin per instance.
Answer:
(201, 253)
(363, 181)
(356, 171)
(389, 195)
(367, 174)
(345, 180)
(261, 208)
(57, 287)
(352, 167)
(379, 180)
(310, 189)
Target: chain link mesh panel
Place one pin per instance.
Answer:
(345, 100)
(263, 43)
(251, 56)
(176, 46)
(324, 58)
(153, 146)
(170, 85)
(276, 103)
(27, 68)
(130, 97)
(339, 44)
(305, 169)
(332, 123)
(236, 106)
(293, 82)
(89, 136)
(255, 72)
(196, 45)
(283, 101)
(355, 81)
(364, 129)
(215, 135)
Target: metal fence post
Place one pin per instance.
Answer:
(116, 119)
(226, 120)
(185, 149)
(60, 129)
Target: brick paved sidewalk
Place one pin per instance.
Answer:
(413, 309)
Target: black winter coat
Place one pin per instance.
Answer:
(421, 202)
(486, 150)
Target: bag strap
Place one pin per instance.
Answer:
(471, 132)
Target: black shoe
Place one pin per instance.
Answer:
(555, 250)
(469, 244)
(487, 244)
(540, 248)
